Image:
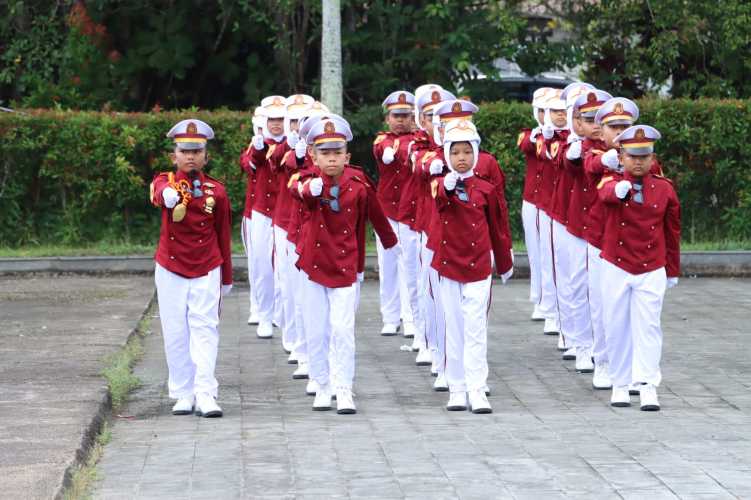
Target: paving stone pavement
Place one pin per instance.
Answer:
(55, 333)
(550, 436)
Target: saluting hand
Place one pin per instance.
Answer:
(449, 182)
(622, 189)
(316, 186)
(574, 151)
(292, 139)
(388, 155)
(171, 197)
(436, 167)
(548, 131)
(257, 142)
(610, 159)
(300, 149)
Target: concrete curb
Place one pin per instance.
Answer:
(704, 264)
(102, 415)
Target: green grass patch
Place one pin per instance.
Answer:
(86, 475)
(119, 366)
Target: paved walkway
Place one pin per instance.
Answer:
(550, 436)
(55, 332)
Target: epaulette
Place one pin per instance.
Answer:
(662, 177)
(520, 138)
(214, 179)
(292, 179)
(380, 138)
(270, 152)
(604, 180)
(286, 155)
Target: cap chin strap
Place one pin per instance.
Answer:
(535, 112)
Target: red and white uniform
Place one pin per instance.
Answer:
(193, 262)
(473, 237)
(332, 254)
(396, 268)
(640, 251)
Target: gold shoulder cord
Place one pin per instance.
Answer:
(182, 187)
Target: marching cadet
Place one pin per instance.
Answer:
(398, 280)
(552, 131)
(338, 201)
(612, 116)
(259, 158)
(583, 196)
(193, 268)
(296, 105)
(297, 162)
(527, 143)
(473, 237)
(257, 124)
(569, 251)
(413, 208)
(641, 258)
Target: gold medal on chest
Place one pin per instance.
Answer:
(208, 207)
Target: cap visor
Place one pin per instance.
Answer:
(190, 145)
(331, 145)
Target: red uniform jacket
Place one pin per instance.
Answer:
(392, 178)
(642, 237)
(251, 185)
(470, 231)
(415, 187)
(282, 171)
(267, 187)
(552, 176)
(202, 240)
(332, 246)
(533, 174)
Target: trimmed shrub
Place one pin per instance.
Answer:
(75, 177)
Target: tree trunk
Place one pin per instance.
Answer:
(331, 56)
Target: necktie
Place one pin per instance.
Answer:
(638, 196)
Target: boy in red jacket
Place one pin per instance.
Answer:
(397, 275)
(338, 201)
(473, 237)
(641, 258)
(193, 268)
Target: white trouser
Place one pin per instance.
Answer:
(548, 299)
(283, 273)
(530, 221)
(466, 309)
(245, 233)
(570, 255)
(389, 282)
(262, 243)
(189, 312)
(439, 348)
(296, 277)
(594, 274)
(425, 298)
(409, 265)
(632, 304)
(329, 321)
(278, 314)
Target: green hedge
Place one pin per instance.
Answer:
(73, 177)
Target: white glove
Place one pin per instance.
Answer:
(316, 186)
(533, 135)
(257, 142)
(360, 277)
(170, 197)
(672, 282)
(388, 155)
(622, 189)
(449, 182)
(548, 131)
(574, 151)
(292, 139)
(436, 167)
(507, 276)
(226, 289)
(610, 159)
(300, 149)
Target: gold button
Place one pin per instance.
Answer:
(444, 262)
(345, 231)
(619, 259)
(172, 238)
(318, 244)
(321, 225)
(315, 266)
(172, 257)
